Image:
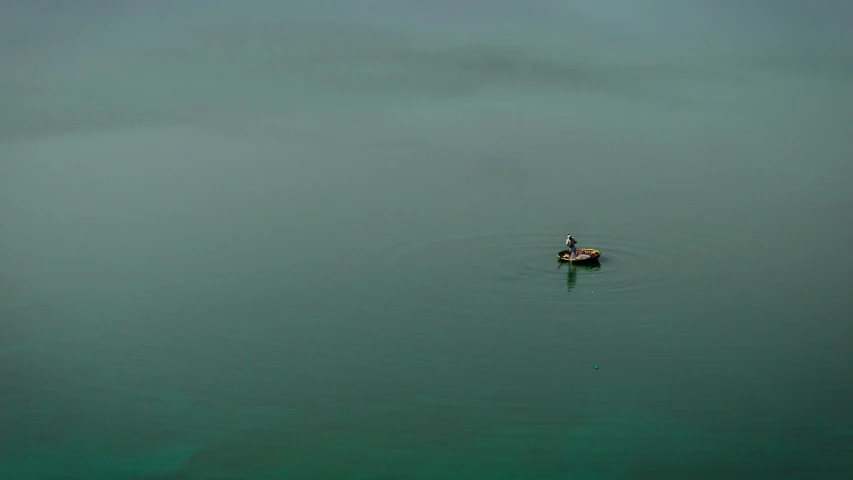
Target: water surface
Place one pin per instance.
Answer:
(319, 240)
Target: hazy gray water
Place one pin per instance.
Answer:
(242, 240)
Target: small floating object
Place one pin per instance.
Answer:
(582, 255)
(596, 367)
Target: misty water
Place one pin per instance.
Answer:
(317, 240)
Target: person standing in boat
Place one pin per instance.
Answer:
(571, 242)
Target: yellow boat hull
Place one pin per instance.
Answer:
(587, 255)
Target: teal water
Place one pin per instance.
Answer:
(318, 241)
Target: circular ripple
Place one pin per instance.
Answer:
(469, 272)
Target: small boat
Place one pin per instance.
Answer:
(583, 255)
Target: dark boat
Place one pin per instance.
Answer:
(582, 255)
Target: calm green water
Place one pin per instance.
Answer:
(248, 241)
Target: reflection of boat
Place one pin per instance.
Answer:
(572, 274)
(583, 255)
